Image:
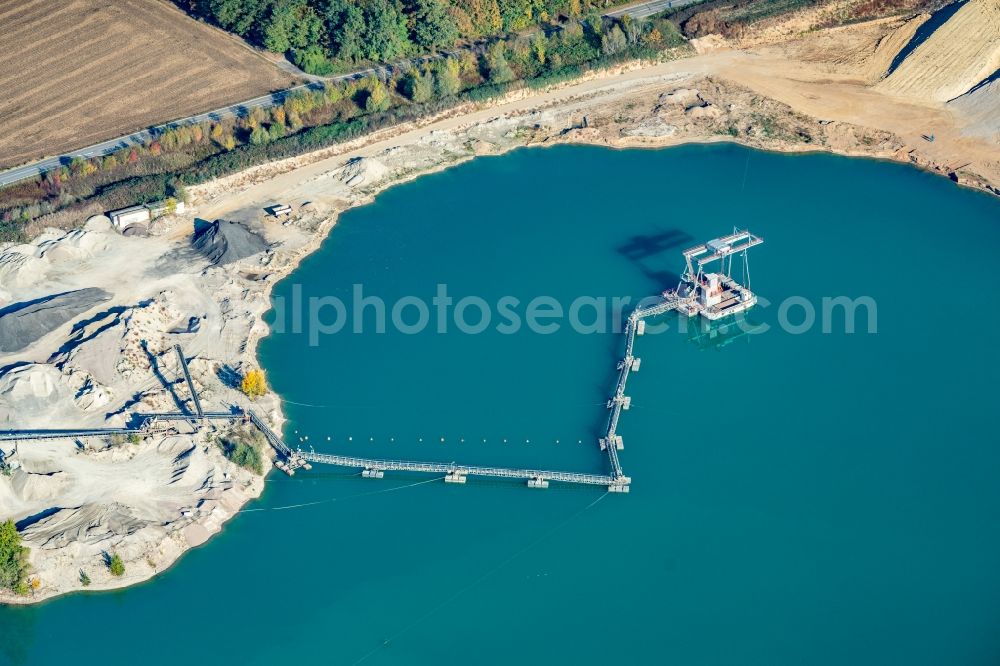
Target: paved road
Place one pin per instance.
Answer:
(647, 9)
(638, 10)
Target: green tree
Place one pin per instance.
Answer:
(84, 578)
(276, 131)
(539, 44)
(367, 30)
(497, 68)
(516, 14)
(239, 16)
(433, 26)
(345, 24)
(333, 92)
(168, 139)
(378, 97)
(633, 29)
(291, 24)
(243, 448)
(116, 566)
(418, 86)
(259, 136)
(13, 559)
(312, 60)
(76, 166)
(447, 81)
(386, 34)
(614, 42)
(595, 22)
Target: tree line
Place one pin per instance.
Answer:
(323, 36)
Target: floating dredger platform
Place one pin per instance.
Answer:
(712, 295)
(717, 294)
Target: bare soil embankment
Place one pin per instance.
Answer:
(954, 58)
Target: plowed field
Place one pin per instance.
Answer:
(81, 71)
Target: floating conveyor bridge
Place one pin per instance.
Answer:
(611, 443)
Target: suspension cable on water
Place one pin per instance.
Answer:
(341, 499)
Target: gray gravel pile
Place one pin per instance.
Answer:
(224, 242)
(982, 106)
(21, 324)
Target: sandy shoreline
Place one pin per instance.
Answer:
(183, 490)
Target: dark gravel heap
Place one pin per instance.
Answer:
(224, 242)
(21, 324)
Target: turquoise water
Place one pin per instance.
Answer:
(814, 498)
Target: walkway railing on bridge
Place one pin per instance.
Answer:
(619, 400)
(269, 435)
(454, 468)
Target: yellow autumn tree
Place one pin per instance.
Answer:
(484, 15)
(254, 385)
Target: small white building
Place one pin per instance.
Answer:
(132, 216)
(136, 219)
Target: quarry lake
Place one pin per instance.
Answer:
(800, 494)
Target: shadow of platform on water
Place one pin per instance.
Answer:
(640, 249)
(644, 246)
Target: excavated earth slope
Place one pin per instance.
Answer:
(954, 58)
